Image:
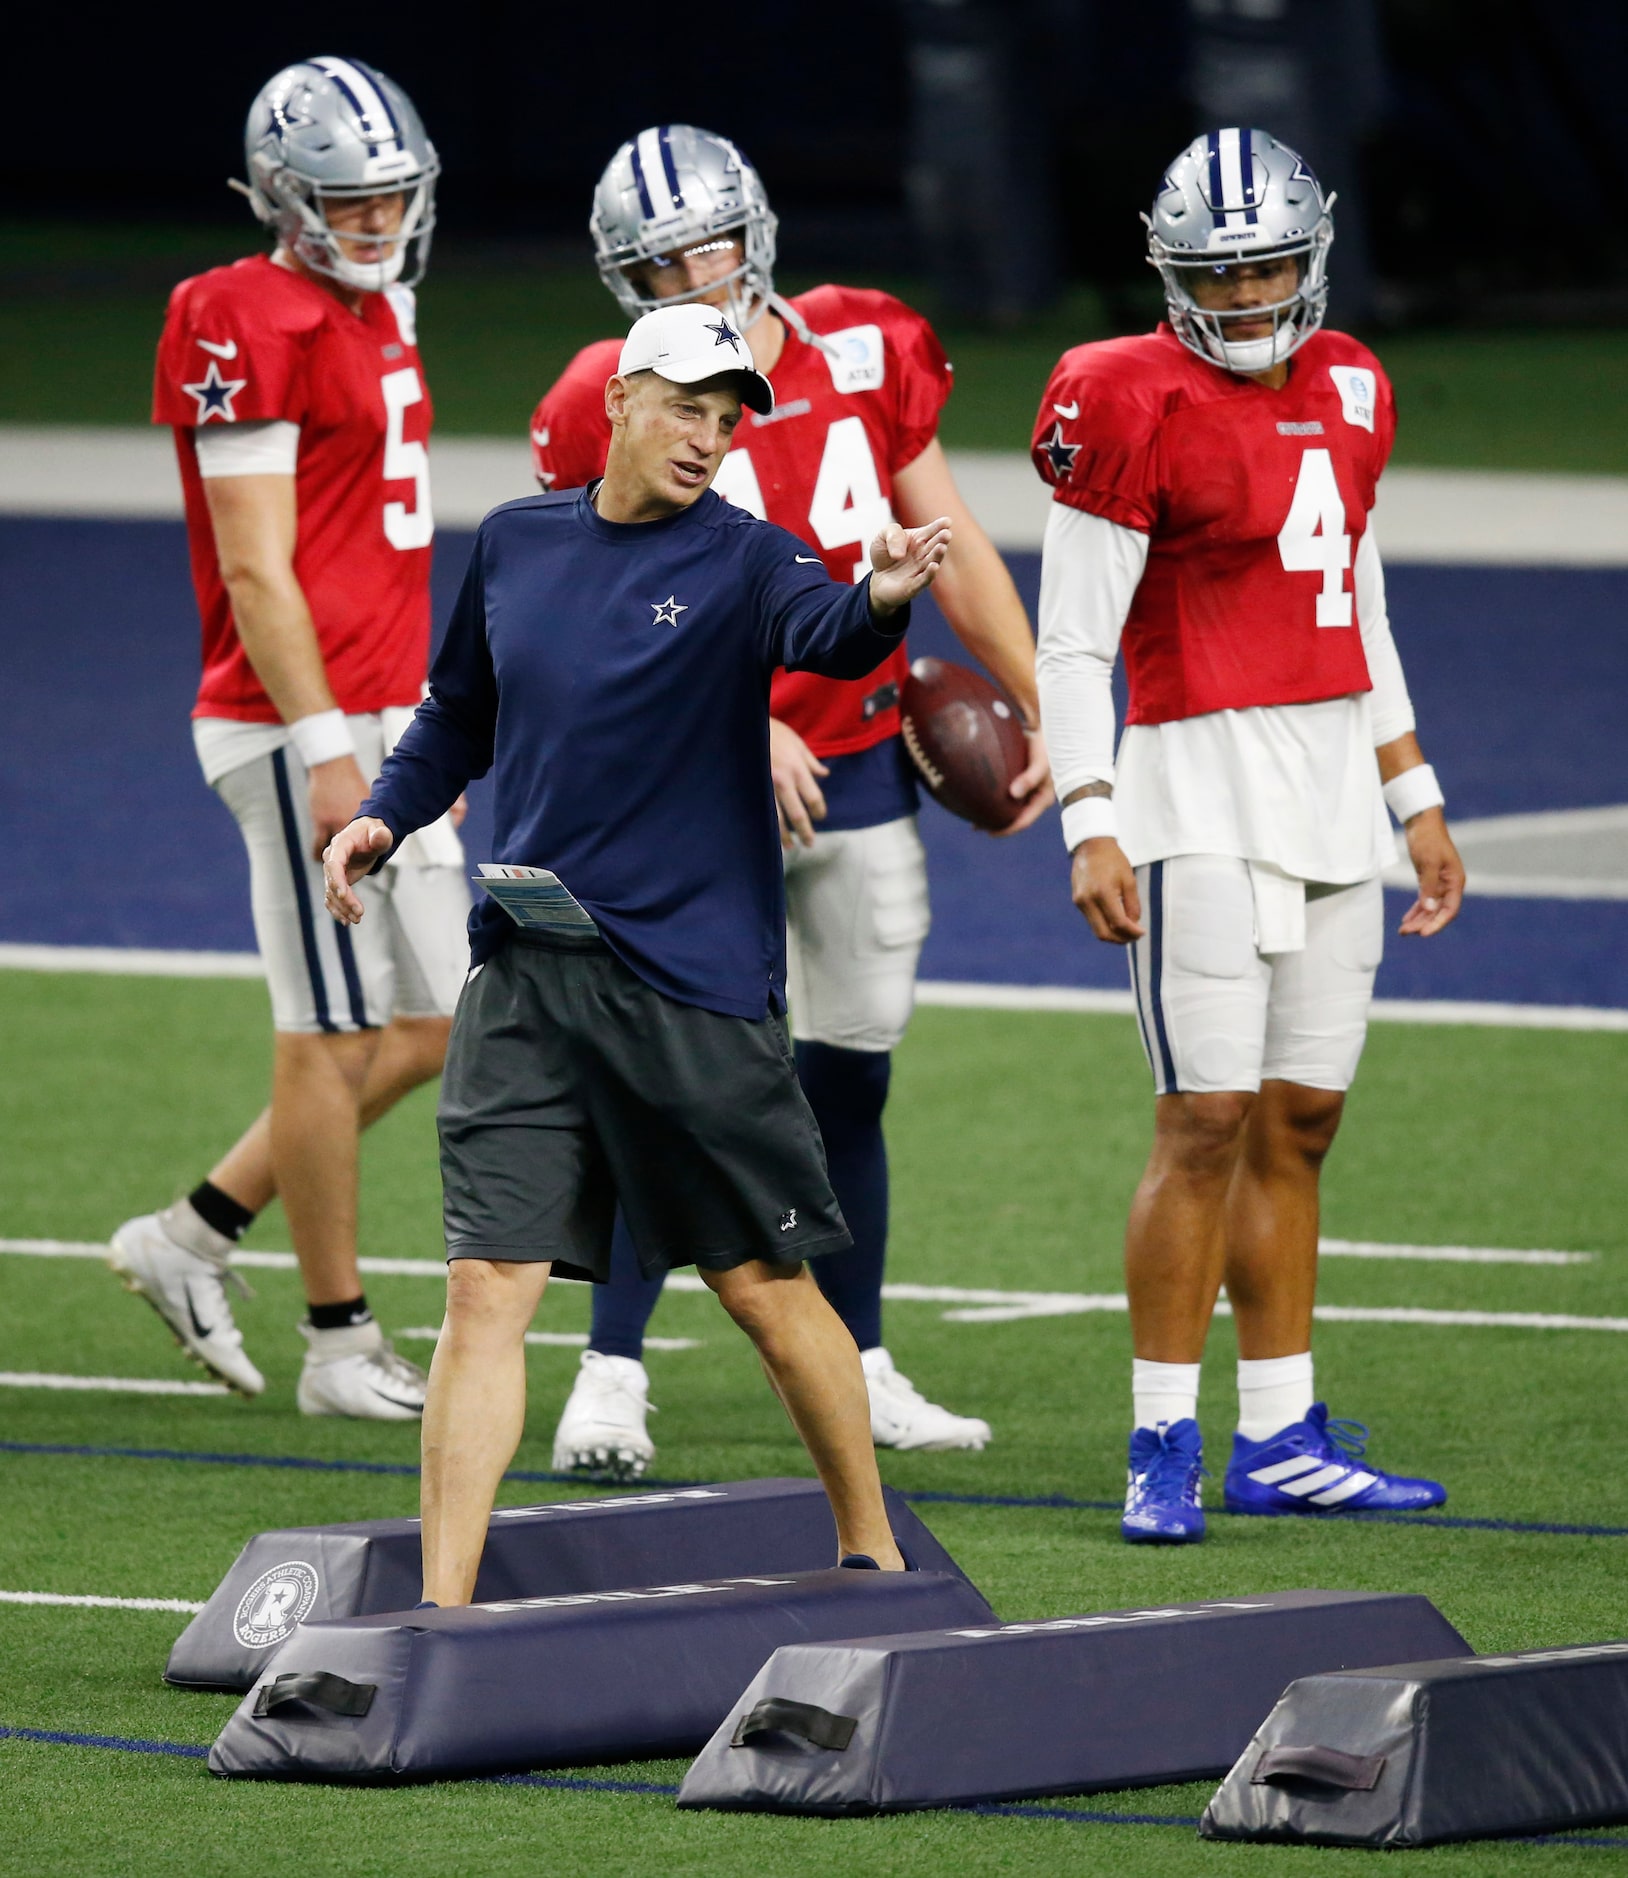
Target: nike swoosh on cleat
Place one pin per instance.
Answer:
(202, 1331)
(1068, 411)
(222, 349)
(411, 1402)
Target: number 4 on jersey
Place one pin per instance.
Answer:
(1313, 538)
(847, 506)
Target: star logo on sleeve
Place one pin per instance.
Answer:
(667, 611)
(727, 336)
(215, 395)
(1060, 455)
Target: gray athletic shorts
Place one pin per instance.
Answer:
(570, 1084)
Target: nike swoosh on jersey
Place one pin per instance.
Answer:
(811, 560)
(222, 349)
(1069, 411)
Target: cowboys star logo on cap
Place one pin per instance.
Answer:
(680, 341)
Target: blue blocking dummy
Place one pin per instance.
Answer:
(601, 1676)
(310, 1573)
(1012, 1711)
(1426, 1752)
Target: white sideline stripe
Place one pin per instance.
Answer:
(1446, 1254)
(184, 1606)
(553, 1339)
(953, 994)
(1465, 517)
(977, 1306)
(122, 1385)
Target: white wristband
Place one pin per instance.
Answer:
(1086, 819)
(321, 737)
(1414, 791)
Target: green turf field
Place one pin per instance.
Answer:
(1016, 1141)
(81, 307)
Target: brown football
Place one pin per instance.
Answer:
(966, 739)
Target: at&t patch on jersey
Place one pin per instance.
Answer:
(857, 358)
(1356, 386)
(275, 1604)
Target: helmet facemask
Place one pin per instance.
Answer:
(1294, 319)
(748, 287)
(298, 210)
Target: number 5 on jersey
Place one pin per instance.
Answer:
(1313, 538)
(405, 461)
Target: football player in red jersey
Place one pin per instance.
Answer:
(301, 420)
(859, 382)
(1212, 484)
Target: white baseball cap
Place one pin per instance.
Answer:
(690, 342)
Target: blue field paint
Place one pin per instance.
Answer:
(1518, 675)
(57, 1738)
(1038, 1502)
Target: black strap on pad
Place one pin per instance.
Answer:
(775, 1715)
(315, 1688)
(1322, 1767)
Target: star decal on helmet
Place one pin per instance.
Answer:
(727, 336)
(667, 611)
(215, 395)
(1060, 455)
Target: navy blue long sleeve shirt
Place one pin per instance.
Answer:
(615, 677)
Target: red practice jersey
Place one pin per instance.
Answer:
(257, 341)
(822, 464)
(1253, 502)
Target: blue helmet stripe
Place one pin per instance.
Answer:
(644, 188)
(1217, 194)
(384, 97)
(665, 136)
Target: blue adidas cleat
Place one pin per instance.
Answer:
(1162, 1485)
(1316, 1466)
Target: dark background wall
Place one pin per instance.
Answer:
(1477, 144)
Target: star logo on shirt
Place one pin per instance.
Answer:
(1060, 455)
(727, 336)
(667, 611)
(215, 395)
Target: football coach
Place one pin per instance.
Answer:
(609, 659)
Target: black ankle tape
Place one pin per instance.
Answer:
(219, 1210)
(339, 1316)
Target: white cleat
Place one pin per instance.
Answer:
(602, 1432)
(902, 1417)
(188, 1290)
(355, 1372)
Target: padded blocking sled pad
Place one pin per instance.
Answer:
(308, 1574)
(1012, 1711)
(1422, 1752)
(600, 1676)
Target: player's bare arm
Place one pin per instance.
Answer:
(256, 521)
(796, 771)
(905, 562)
(978, 598)
(1431, 849)
(1102, 882)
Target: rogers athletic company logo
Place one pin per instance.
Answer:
(278, 1600)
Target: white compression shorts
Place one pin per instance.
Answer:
(856, 920)
(1218, 1014)
(410, 954)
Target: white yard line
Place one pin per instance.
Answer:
(184, 1606)
(121, 1385)
(551, 1339)
(967, 995)
(978, 1306)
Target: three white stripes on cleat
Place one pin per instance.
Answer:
(1327, 1483)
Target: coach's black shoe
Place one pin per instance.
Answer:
(858, 1562)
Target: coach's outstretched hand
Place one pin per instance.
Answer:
(350, 855)
(904, 562)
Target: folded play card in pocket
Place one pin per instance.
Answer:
(535, 898)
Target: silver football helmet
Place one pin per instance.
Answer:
(1240, 195)
(674, 187)
(326, 129)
